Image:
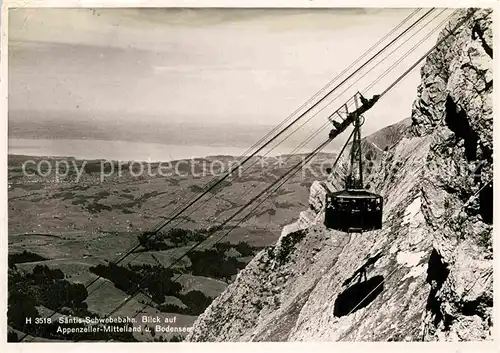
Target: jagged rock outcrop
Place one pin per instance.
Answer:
(427, 275)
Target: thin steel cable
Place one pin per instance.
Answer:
(318, 93)
(338, 96)
(380, 51)
(287, 127)
(386, 72)
(286, 177)
(383, 93)
(220, 180)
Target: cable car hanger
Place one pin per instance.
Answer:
(341, 127)
(353, 209)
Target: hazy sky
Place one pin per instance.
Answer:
(211, 66)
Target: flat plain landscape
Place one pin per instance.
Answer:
(69, 229)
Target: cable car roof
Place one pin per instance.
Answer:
(353, 194)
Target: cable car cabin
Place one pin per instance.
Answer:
(353, 210)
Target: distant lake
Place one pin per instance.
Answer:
(59, 135)
(121, 150)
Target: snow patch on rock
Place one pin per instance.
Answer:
(416, 271)
(413, 214)
(410, 259)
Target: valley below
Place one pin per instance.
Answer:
(71, 220)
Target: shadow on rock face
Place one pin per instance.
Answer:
(358, 296)
(456, 119)
(437, 274)
(361, 272)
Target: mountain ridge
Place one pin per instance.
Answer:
(427, 275)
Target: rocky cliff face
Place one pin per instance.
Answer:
(427, 275)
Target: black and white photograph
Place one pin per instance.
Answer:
(215, 174)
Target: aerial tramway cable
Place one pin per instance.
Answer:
(388, 70)
(379, 77)
(157, 229)
(315, 114)
(320, 147)
(366, 89)
(177, 214)
(299, 117)
(281, 181)
(93, 281)
(252, 164)
(316, 94)
(220, 180)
